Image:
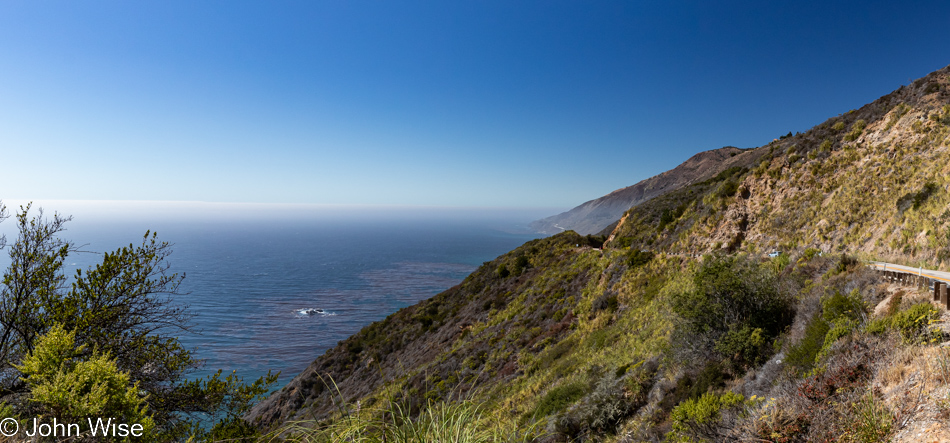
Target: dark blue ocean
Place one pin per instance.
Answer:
(247, 281)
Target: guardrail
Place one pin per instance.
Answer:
(935, 286)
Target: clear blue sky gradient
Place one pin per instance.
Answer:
(483, 103)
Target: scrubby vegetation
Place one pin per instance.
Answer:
(676, 323)
(731, 346)
(104, 344)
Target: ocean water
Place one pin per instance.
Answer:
(246, 282)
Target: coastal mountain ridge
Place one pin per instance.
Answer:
(871, 181)
(595, 215)
(675, 307)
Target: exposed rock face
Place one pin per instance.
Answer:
(595, 215)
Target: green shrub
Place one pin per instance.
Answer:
(623, 242)
(909, 323)
(810, 253)
(840, 327)
(521, 263)
(702, 418)
(728, 188)
(840, 314)
(734, 310)
(838, 305)
(711, 377)
(559, 398)
(70, 387)
(838, 126)
(637, 258)
(745, 344)
(670, 215)
(595, 241)
(730, 172)
(803, 354)
(856, 130)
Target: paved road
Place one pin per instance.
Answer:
(938, 275)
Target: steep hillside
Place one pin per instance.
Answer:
(593, 216)
(635, 337)
(452, 338)
(872, 181)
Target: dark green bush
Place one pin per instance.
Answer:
(606, 302)
(856, 130)
(559, 398)
(744, 346)
(802, 355)
(839, 315)
(839, 305)
(521, 263)
(670, 215)
(730, 172)
(595, 241)
(728, 188)
(735, 310)
(637, 258)
(624, 242)
(845, 263)
(711, 377)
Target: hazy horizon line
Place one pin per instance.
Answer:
(104, 210)
(10, 202)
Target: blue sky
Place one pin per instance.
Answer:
(459, 104)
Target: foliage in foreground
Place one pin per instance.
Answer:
(105, 341)
(71, 387)
(734, 313)
(463, 421)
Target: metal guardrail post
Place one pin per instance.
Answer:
(943, 293)
(936, 290)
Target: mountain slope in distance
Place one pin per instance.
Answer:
(595, 215)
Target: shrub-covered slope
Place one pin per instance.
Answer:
(872, 181)
(637, 337)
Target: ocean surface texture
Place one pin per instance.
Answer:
(274, 296)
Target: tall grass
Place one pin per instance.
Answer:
(463, 421)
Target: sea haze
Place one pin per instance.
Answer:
(248, 279)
